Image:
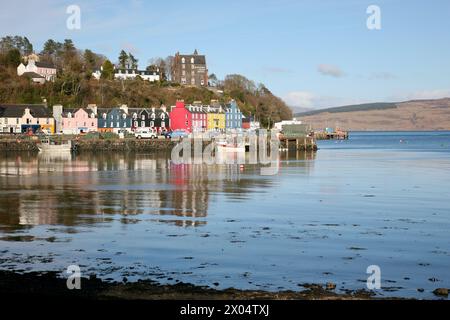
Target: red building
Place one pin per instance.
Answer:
(180, 117)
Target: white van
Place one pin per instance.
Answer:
(146, 134)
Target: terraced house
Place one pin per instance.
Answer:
(216, 118)
(114, 120)
(75, 121)
(25, 118)
(233, 116)
(154, 118)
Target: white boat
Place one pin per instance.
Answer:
(51, 146)
(223, 146)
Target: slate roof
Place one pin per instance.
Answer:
(45, 65)
(17, 110)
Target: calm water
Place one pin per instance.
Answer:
(376, 199)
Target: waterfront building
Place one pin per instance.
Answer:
(190, 69)
(279, 125)
(216, 118)
(199, 117)
(154, 118)
(180, 117)
(114, 120)
(26, 117)
(233, 116)
(75, 121)
(37, 70)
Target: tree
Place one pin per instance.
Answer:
(132, 61)
(107, 70)
(20, 43)
(213, 80)
(90, 61)
(123, 59)
(12, 58)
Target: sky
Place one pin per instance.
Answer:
(311, 53)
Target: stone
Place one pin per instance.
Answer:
(441, 292)
(330, 286)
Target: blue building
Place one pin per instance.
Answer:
(233, 116)
(113, 120)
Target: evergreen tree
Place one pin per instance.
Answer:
(123, 59)
(107, 70)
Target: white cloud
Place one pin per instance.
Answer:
(330, 70)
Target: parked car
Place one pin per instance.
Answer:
(146, 134)
(179, 133)
(166, 134)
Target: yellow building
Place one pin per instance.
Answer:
(216, 119)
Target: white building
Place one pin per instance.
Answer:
(279, 125)
(33, 68)
(131, 74)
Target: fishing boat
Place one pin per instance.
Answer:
(52, 146)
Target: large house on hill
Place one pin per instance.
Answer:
(37, 70)
(190, 69)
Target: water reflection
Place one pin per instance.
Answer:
(70, 190)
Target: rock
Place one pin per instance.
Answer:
(330, 286)
(441, 292)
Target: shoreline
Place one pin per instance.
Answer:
(50, 285)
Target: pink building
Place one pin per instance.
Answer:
(79, 121)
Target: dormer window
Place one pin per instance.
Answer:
(183, 60)
(104, 116)
(192, 60)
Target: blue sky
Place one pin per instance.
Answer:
(311, 53)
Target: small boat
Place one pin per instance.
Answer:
(223, 146)
(51, 146)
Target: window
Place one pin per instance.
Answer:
(135, 124)
(143, 124)
(183, 60)
(183, 72)
(143, 117)
(17, 120)
(203, 82)
(192, 81)
(118, 124)
(152, 124)
(192, 60)
(6, 120)
(163, 124)
(92, 124)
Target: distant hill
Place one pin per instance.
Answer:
(350, 108)
(409, 115)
